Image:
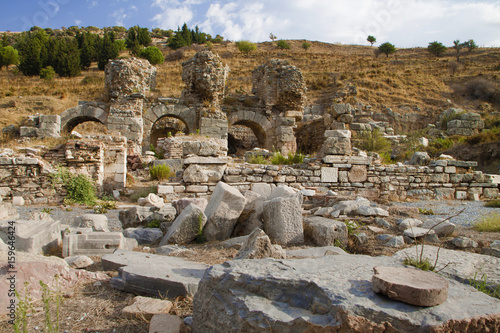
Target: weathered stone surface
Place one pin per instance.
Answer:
(251, 216)
(315, 252)
(409, 223)
(79, 261)
(8, 211)
(184, 202)
(166, 323)
(279, 85)
(143, 235)
(137, 215)
(172, 250)
(357, 174)
(224, 207)
(371, 211)
(18, 201)
(337, 146)
(420, 158)
(397, 241)
(283, 219)
(460, 265)
(263, 189)
(205, 77)
(186, 227)
(96, 243)
(124, 77)
(329, 175)
(98, 222)
(210, 173)
(281, 191)
(350, 206)
(258, 246)
(463, 242)
(153, 275)
(416, 232)
(152, 200)
(146, 307)
(317, 295)
(410, 285)
(35, 237)
(440, 227)
(32, 268)
(324, 232)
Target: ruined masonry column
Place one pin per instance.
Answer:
(127, 81)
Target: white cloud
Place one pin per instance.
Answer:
(134, 8)
(404, 23)
(78, 22)
(119, 16)
(92, 3)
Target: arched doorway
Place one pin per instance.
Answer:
(167, 126)
(244, 135)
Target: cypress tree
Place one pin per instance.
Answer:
(108, 50)
(67, 57)
(29, 49)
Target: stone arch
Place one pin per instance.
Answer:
(259, 124)
(178, 111)
(80, 114)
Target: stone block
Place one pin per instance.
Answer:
(337, 146)
(98, 222)
(329, 175)
(166, 323)
(358, 174)
(346, 134)
(165, 189)
(96, 243)
(143, 235)
(224, 208)
(325, 232)
(146, 307)
(283, 219)
(33, 236)
(186, 227)
(258, 246)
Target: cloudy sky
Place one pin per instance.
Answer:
(405, 23)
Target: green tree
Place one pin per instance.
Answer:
(272, 37)
(177, 41)
(5, 40)
(153, 55)
(246, 46)
(29, 49)
(87, 51)
(107, 50)
(436, 48)
(470, 45)
(306, 45)
(283, 45)
(8, 56)
(371, 40)
(67, 61)
(186, 34)
(47, 73)
(387, 48)
(137, 38)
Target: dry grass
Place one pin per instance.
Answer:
(489, 223)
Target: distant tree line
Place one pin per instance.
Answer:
(67, 51)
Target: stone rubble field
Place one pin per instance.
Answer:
(275, 259)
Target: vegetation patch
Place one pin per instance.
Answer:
(279, 159)
(489, 223)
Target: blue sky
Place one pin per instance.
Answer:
(405, 23)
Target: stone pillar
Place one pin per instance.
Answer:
(49, 126)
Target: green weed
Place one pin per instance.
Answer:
(160, 172)
(484, 286)
(489, 223)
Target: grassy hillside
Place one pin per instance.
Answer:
(410, 79)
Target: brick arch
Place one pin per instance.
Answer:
(181, 112)
(80, 114)
(259, 124)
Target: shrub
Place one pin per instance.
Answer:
(493, 204)
(153, 55)
(47, 73)
(374, 141)
(176, 55)
(483, 89)
(80, 189)
(283, 45)
(306, 45)
(279, 159)
(257, 159)
(371, 40)
(489, 223)
(436, 48)
(160, 172)
(245, 46)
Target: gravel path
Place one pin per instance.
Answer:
(474, 210)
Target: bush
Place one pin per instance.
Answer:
(279, 159)
(47, 73)
(153, 55)
(387, 48)
(374, 141)
(176, 55)
(80, 189)
(246, 46)
(306, 45)
(483, 89)
(489, 223)
(283, 45)
(493, 204)
(436, 48)
(160, 172)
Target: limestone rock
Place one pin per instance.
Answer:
(420, 158)
(146, 307)
(8, 211)
(137, 215)
(280, 85)
(440, 227)
(332, 293)
(210, 173)
(325, 232)
(172, 250)
(410, 285)
(281, 191)
(417, 232)
(337, 146)
(144, 235)
(79, 261)
(409, 223)
(251, 216)
(166, 323)
(184, 202)
(18, 201)
(463, 242)
(283, 219)
(235, 242)
(153, 275)
(397, 241)
(358, 174)
(152, 200)
(372, 211)
(124, 77)
(186, 227)
(315, 252)
(223, 210)
(349, 206)
(96, 243)
(98, 222)
(35, 237)
(258, 246)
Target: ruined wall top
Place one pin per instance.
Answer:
(279, 85)
(205, 77)
(124, 77)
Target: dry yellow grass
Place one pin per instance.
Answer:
(411, 77)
